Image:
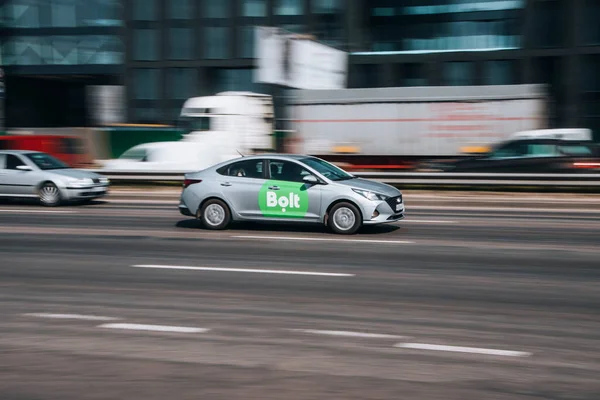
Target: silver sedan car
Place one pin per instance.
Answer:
(292, 188)
(33, 174)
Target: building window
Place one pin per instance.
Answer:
(246, 42)
(413, 75)
(145, 10)
(591, 28)
(180, 9)
(145, 45)
(363, 76)
(100, 50)
(464, 6)
(328, 22)
(548, 16)
(499, 72)
(216, 9)
(241, 79)
(326, 6)
(23, 15)
(146, 83)
(23, 50)
(147, 115)
(289, 7)
(182, 83)
(459, 73)
(64, 15)
(181, 45)
(216, 43)
(99, 13)
(254, 8)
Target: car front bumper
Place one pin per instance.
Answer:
(381, 212)
(85, 193)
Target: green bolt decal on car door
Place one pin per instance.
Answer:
(290, 201)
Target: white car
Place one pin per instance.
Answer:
(288, 188)
(29, 174)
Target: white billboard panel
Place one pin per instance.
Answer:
(289, 60)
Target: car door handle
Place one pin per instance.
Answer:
(225, 184)
(274, 188)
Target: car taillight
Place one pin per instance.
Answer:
(189, 182)
(586, 165)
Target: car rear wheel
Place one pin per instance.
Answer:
(215, 215)
(49, 195)
(345, 219)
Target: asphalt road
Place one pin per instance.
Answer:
(127, 299)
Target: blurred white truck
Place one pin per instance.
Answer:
(414, 121)
(218, 128)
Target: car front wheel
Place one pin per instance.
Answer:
(345, 219)
(49, 195)
(215, 215)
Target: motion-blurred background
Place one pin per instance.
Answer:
(117, 74)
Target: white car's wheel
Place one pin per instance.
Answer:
(49, 195)
(215, 215)
(345, 219)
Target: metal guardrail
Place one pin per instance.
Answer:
(405, 178)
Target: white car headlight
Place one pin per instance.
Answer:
(104, 181)
(81, 182)
(371, 195)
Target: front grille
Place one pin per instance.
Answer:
(394, 201)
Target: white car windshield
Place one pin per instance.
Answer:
(46, 162)
(326, 169)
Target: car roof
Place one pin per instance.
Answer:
(278, 156)
(18, 152)
(553, 141)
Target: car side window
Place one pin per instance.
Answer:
(575, 150)
(12, 162)
(511, 150)
(542, 150)
(287, 171)
(244, 169)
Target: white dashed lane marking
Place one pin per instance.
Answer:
(23, 211)
(71, 316)
(366, 335)
(460, 349)
(155, 328)
(244, 270)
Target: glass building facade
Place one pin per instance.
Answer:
(58, 48)
(165, 51)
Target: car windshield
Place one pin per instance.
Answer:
(326, 169)
(135, 153)
(46, 162)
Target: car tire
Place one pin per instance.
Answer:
(345, 219)
(215, 215)
(49, 195)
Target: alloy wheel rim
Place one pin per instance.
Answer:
(214, 215)
(49, 194)
(344, 218)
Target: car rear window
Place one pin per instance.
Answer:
(576, 150)
(246, 169)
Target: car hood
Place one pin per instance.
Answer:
(365, 184)
(75, 173)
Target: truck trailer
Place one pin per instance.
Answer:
(413, 122)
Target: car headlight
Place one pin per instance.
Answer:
(104, 181)
(371, 195)
(81, 182)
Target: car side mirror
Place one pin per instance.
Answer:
(311, 179)
(24, 168)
